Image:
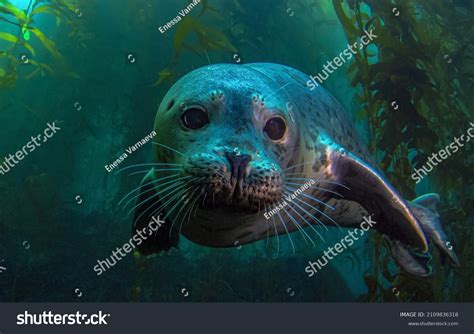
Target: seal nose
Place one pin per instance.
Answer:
(238, 164)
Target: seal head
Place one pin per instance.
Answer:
(232, 135)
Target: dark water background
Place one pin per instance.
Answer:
(49, 243)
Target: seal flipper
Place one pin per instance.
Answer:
(406, 223)
(412, 262)
(369, 188)
(424, 209)
(165, 236)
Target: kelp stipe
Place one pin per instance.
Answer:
(411, 99)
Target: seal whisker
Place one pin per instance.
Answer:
(177, 194)
(148, 208)
(304, 163)
(317, 188)
(175, 184)
(276, 232)
(300, 229)
(195, 210)
(156, 170)
(169, 148)
(168, 212)
(154, 188)
(172, 209)
(182, 207)
(207, 56)
(162, 169)
(282, 87)
(309, 214)
(312, 197)
(185, 203)
(266, 220)
(277, 235)
(176, 188)
(190, 210)
(147, 164)
(317, 180)
(204, 200)
(307, 223)
(321, 212)
(288, 233)
(144, 185)
(196, 187)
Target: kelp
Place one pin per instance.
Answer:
(193, 35)
(20, 44)
(413, 104)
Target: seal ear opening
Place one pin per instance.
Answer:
(150, 233)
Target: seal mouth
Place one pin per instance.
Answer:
(237, 196)
(236, 193)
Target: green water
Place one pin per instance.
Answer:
(97, 78)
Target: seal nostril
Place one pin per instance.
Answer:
(238, 164)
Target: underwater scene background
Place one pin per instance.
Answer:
(99, 69)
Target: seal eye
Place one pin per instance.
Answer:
(194, 118)
(275, 128)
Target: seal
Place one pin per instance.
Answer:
(236, 141)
